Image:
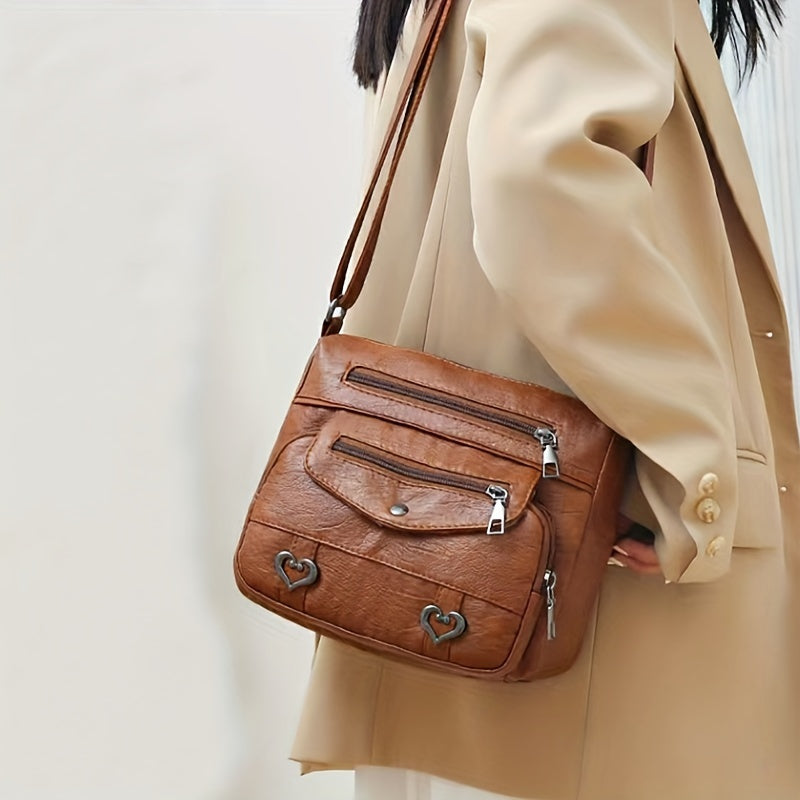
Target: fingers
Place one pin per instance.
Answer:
(639, 557)
(637, 551)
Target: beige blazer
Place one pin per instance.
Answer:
(521, 238)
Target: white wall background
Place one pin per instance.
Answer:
(175, 183)
(769, 112)
(176, 180)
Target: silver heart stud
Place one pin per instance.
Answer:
(443, 619)
(285, 557)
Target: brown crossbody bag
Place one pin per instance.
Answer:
(424, 510)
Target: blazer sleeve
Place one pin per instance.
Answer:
(566, 231)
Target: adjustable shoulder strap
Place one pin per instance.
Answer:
(405, 109)
(344, 297)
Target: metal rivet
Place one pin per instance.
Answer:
(399, 510)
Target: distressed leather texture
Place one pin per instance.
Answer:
(378, 571)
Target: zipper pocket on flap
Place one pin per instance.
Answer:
(497, 494)
(546, 437)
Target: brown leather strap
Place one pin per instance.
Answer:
(405, 109)
(408, 100)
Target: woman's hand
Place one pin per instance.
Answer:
(633, 554)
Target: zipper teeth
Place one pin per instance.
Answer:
(446, 402)
(416, 473)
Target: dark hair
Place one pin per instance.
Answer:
(744, 18)
(740, 22)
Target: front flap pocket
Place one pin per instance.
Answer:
(412, 481)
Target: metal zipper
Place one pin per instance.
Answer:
(546, 437)
(550, 598)
(497, 494)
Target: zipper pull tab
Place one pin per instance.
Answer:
(550, 462)
(549, 442)
(497, 521)
(550, 595)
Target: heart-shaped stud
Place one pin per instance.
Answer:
(454, 618)
(286, 558)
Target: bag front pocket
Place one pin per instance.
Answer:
(403, 557)
(416, 473)
(416, 482)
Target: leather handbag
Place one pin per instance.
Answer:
(420, 509)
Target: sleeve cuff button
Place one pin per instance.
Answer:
(714, 546)
(709, 484)
(708, 510)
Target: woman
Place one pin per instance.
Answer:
(523, 239)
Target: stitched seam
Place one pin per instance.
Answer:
(427, 579)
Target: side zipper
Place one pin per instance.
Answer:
(497, 494)
(549, 579)
(550, 598)
(546, 437)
